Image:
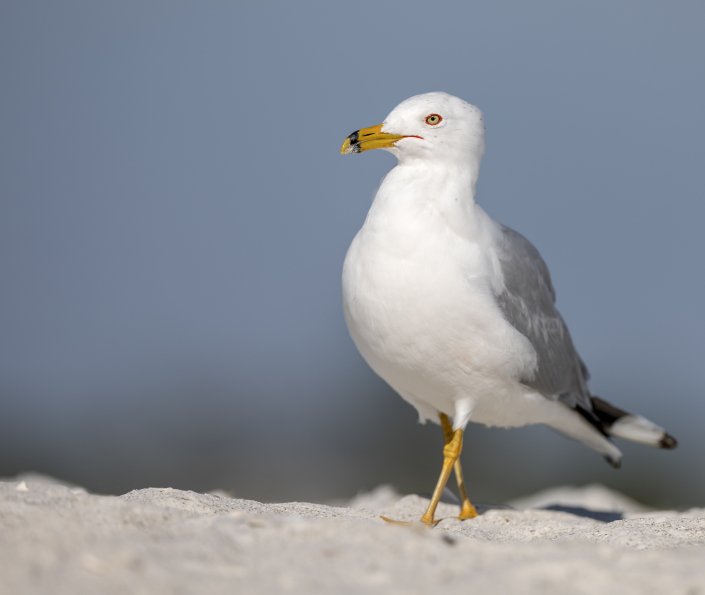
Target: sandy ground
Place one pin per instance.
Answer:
(59, 539)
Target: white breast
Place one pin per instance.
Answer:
(419, 303)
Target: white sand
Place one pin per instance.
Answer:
(57, 539)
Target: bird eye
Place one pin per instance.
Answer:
(433, 119)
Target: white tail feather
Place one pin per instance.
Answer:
(637, 429)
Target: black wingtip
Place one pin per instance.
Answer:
(668, 442)
(616, 463)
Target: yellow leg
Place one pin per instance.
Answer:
(468, 510)
(451, 452)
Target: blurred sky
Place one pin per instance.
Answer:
(174, 214)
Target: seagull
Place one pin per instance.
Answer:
(454, 310)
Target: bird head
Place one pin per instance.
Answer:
(429, 126)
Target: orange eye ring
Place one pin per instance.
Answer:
(433, 119)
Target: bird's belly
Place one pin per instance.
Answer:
(429, 325)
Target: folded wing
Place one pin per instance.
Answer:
(527, 302)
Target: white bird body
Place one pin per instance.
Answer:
(454, 310)
(418, 283)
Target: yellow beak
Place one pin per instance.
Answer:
(368, 138)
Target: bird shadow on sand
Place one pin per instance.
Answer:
(598, 515)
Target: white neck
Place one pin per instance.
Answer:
(416, 185)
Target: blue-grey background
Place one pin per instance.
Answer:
(174, 214)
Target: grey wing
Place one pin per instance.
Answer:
(527, 302)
